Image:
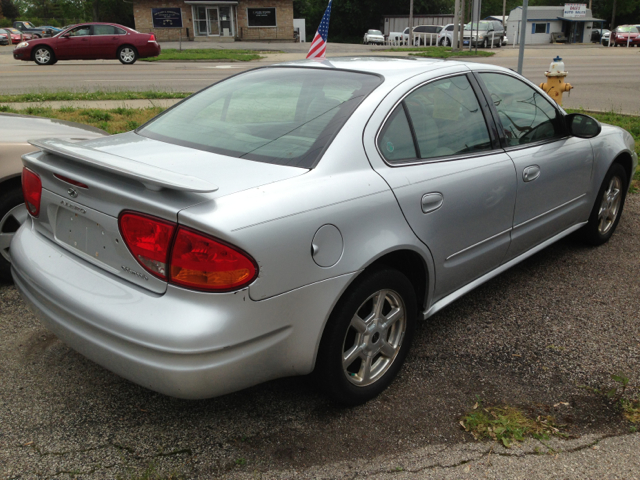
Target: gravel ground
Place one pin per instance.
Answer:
(534, 337)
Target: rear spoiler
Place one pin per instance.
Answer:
(153, 178)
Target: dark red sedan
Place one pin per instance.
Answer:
(625, 35)
(90, 41)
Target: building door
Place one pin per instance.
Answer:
(226, 23)
(213, 24)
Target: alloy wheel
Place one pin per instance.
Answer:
(610, 206)
(374, 338)
(127, 55)
(9, 224)
(43, 56)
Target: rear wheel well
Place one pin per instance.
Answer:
(624, 159)
(412, 265)
(11, 183)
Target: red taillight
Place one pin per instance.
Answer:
(152, 38)
(148, 239)
(203, 263)
(197, 261)
(32, 191)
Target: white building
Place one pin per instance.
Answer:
(574, 20)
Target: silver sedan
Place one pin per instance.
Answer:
(301, 218)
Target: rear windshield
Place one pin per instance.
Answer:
(284, 116)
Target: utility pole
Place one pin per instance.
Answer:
(523, 32)
(504, 11)
(411, 23)
(456, 27)
(613, 16)
(462, 7)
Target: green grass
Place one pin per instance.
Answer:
(66, 95)
(508, 424)
(116, 120)
(440, 52)
(207, 54)
(631, 124)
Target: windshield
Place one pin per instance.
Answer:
(284, 116)
(374, 32)
(28, 24)
(482, 26)
(628, 29)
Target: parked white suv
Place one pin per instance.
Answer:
(445, 36)
(425, 35)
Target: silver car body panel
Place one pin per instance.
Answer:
(194, 345)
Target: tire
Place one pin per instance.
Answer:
(127, 55)
(377, 353)
(12, 214)
(485, 43)
(606, 212)
(43, 56)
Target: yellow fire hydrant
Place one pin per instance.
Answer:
(555, 85)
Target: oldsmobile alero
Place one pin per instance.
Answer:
(301, 218)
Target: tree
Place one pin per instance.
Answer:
(9, 9)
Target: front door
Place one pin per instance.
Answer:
(553, 169)
(76, 44)
(453, 182)
(213, 23)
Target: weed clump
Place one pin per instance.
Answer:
(507, 424)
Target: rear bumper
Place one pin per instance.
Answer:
(150, 49)
(183, 344)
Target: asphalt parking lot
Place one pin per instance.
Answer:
(533, 337)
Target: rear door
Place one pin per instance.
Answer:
(553, 169)
(437, 149)
(105, 40)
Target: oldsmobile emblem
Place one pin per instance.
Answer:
(72, 193)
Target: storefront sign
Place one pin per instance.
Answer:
(167, 17)
(261, 17)
(575, 10)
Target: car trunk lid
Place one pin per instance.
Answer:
(87, 185)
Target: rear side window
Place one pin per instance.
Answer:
(106, 30)
(285, 116)
(525, 115)
(444, 118)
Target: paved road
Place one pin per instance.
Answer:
(604, 79)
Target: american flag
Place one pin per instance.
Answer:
(319, 43)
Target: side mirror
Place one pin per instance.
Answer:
(583, 126)
(65, 35)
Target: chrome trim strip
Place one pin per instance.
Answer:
(477, 244)
(549, 211)
(440, 304)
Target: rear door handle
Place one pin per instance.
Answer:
(529, 174)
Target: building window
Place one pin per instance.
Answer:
(539, 28)
(261, 17)
(200, 20)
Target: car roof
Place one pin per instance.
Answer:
(394, 69)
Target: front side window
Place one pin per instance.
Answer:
(526, 116)
(81, 31)
(443, 118)
(284, 116)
